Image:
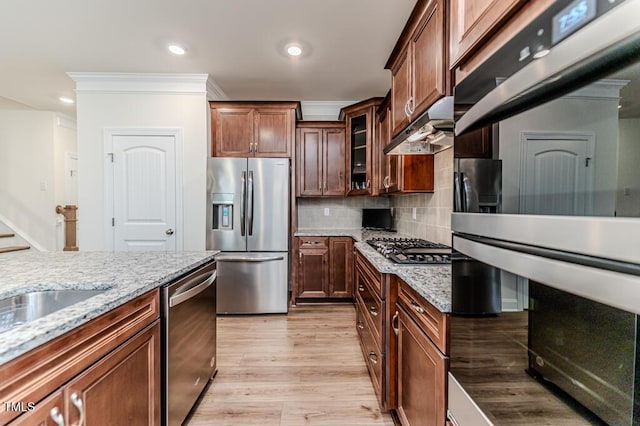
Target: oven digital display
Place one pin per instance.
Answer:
(571, 18)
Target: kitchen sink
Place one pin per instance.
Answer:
(27, 307)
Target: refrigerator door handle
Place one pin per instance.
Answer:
(242, 202)
(250, 202)
(249, 259)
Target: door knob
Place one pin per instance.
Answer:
(169, 231)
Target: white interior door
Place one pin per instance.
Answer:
(144, 192)
(557, 175)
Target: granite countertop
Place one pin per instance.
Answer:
(433, 282)
(125, 275)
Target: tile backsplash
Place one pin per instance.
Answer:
(433, 210)
(343, 212)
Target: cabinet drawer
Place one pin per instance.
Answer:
(429, 318)
(374, 277)
(370, 350)
(313, 242)
(370, 303)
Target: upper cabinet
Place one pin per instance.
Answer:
(253, 129)
(417, 64)
(320, 158)
(398, 173)
(360, 124)
(473, 21)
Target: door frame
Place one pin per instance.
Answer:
(588, 137)
(108, 134)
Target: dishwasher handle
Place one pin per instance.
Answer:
(192, 288)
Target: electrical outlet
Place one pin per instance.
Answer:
(43, 185)
(326, 211)
(414, 213)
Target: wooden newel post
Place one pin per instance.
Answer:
(70, 219)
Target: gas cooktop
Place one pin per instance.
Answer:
(412, 251)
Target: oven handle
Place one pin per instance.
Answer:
(192, 288)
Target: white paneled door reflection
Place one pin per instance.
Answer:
(557, 176)
(144, 196)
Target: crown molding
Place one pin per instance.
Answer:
(329, 110)
(214, 92)
(152, 83)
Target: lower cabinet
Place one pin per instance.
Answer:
(105, 372)
(324, 269)
(421, 366)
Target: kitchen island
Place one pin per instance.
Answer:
(69, 364)
(124, 275)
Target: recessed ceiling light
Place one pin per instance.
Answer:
(66, 100)
(294, 50)
(176, 50)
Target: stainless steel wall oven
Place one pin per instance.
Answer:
(546, 270)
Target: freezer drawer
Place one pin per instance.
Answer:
(252, 283)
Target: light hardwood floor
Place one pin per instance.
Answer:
(305, 368)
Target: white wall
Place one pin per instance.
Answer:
(31, 147)
(97, 111)
(581, 112)
(629, 168)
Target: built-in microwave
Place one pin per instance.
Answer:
(558, 221)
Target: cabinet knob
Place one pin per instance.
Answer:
(360, 287)
(406, 109)
(373, 311)
(373, 357)
(360, 325)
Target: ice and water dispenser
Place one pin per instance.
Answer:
(223, 205)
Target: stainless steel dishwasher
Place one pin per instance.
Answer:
(189, 342)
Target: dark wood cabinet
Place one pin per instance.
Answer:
(320, 159)
(422, 361)
(44, 413)
(399, 173)
(473, 21)
(340, 267)
(325, 268)
(253, 129)
(421, 376)
(476, 144)
(360, 133)
(91, 367)
(373, 297)
(417, 64)
(132, 368)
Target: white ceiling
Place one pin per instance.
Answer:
(239, 43)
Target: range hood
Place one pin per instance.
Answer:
(429, 133)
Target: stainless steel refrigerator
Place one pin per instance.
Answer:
(248, 220)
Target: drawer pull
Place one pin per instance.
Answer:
(373, 357)
(360, 325)
(417, 307)
(360, 287)
(394, 323)
(77, 401)
(373, 311)
(56, 416)
(311, 242)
